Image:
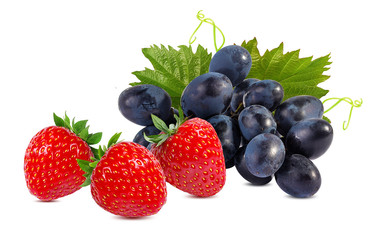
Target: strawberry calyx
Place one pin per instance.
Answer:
(80, 128)
(166, 131)
(88, 166)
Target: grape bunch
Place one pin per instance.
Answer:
(262, 136)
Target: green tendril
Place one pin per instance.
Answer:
(356, 103)
(202, 19)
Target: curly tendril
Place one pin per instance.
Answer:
(356, 103)
(202, 19)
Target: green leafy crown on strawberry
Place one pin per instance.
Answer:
(80, 128)
(167, 131)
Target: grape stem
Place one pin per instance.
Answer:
(202, 19)
(356, 103)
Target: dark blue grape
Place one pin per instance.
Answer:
(229, 136)
(264, 155)
(296, 109)
(241, 167)
(239, 91)
(139, 102)
(310, 137)
(233, 61)
(207, 95)
(267, 93)
(255, 120)
(148, 130)
(298, 176)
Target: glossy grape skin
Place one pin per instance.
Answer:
(310, 137)
(296, 109)
(207, 95)
(239, 91)
(241, 167)
(264, 155)
(149, 130)
(268, 93)
(229, 136)
(233, 61)
(139, 102)
(298, 176)
(254, 120)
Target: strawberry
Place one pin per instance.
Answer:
(50, 166)
(191, 155)
(127, 181)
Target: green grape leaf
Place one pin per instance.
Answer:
(173, 69)
(298, 76)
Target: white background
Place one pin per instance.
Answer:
(77, 56)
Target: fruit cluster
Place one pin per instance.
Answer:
(225, 120)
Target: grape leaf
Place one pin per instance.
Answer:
(298, 76)
(173, 69)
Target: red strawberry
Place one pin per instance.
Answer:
(127, 181)
(50, 166)
(191, 156)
